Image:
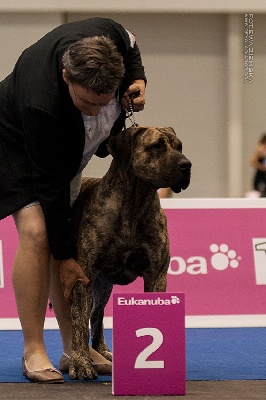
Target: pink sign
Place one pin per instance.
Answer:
(8, 243)
(218, 258)
(149, 344)
(216, 262)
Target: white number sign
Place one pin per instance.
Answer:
(141, 360)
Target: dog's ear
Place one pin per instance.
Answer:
(120, 146)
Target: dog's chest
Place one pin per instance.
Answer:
(125, 232)
(130, 251)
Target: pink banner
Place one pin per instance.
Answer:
(218, 258)
(8, 244)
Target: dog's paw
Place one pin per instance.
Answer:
(108, 355)
(81, 368)
(82, 373)
(104, 351)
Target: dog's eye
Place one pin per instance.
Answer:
(179, 148)
(158, 145)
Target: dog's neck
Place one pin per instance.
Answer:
(136, 195)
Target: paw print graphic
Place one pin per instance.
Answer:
(223, 258)
(175, 300)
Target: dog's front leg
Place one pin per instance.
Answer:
(80, 363)
(156, 283)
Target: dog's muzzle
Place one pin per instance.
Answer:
(184, 164)
(184, 174)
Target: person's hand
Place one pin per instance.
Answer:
(70, 273)
(137, 91)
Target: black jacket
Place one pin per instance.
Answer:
(42, 133)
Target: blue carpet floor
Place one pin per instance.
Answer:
(212, 354)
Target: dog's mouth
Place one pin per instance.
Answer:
(176, 188)
(179, 179)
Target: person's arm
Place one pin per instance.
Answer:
(134, 83)
(55, 151)
(133, 62)
(135, 80)
(48, 144)
(137, 90)
(70, 273)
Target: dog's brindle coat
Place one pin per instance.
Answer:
(122, 231)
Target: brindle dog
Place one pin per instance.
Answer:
(122, 231)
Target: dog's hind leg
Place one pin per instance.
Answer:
(102, 290)
(80, 363)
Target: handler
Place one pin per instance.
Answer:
(65, 96)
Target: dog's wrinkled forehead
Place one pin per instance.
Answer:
(143, 139)
(159, 135)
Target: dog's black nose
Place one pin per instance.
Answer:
(184, 163)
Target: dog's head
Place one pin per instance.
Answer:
(154, 154)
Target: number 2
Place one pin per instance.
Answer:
(141, 360)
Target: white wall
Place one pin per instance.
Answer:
(186, 59)
(18, 31)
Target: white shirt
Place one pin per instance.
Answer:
(97, 129)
